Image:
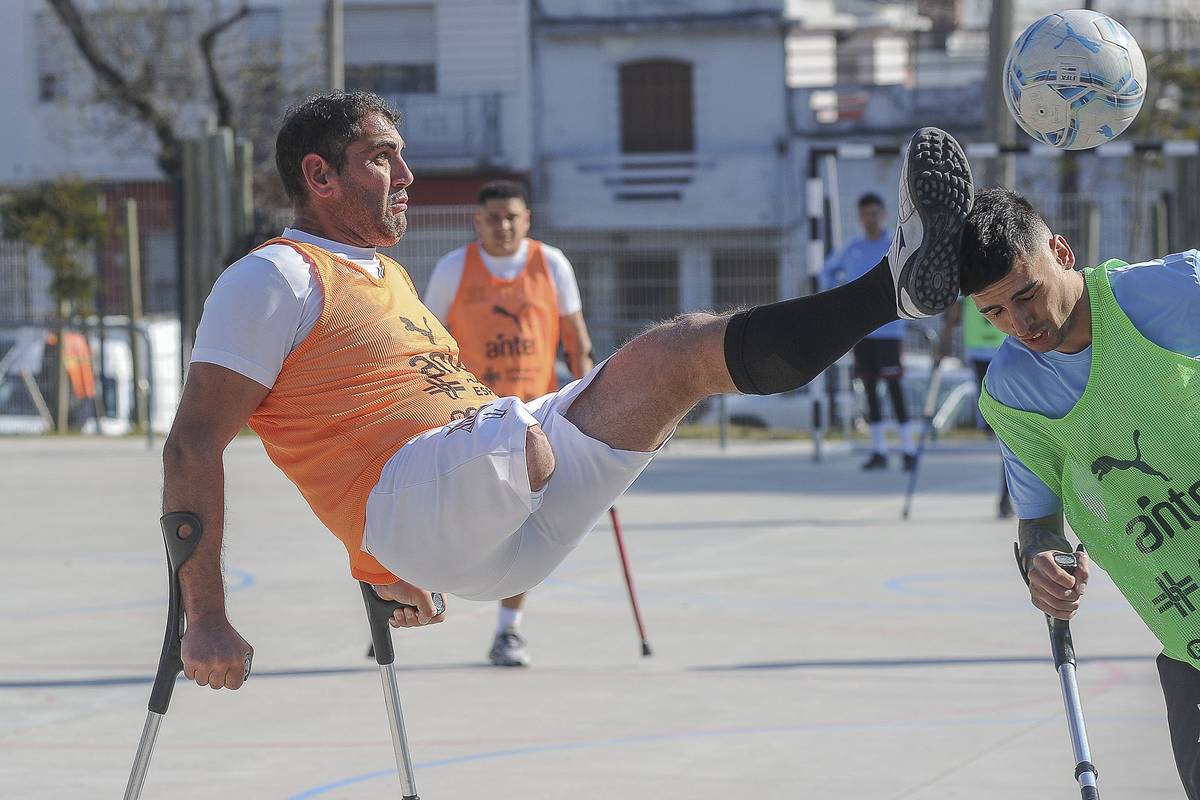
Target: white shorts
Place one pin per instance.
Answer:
(453, 512)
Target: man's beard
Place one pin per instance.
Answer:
(376, 223)
(395, 224)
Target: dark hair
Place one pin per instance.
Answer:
(323, 124)
(870, 198)
(1001, 227)
(502, 190)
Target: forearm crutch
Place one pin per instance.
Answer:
(927, 414)
(181, 532)
(379, 611)
(1064, 663)
(637, 612)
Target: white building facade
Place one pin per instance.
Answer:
(663, 154)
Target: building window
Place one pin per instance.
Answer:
(391, 49)
(392, 78)
(648, 286)
(743, 278)
(656, 107)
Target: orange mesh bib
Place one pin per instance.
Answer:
(376, 370)
(508, 330)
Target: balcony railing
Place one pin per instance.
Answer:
(440, 126)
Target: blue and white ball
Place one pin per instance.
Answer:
(1075, 79)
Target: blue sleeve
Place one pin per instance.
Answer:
(833, 265)
(1030, 496)
(1162, 300)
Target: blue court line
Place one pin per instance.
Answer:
(590, 588)
(321, 672)
(316, 672)
(632, 740)
(238, 580)
(900, 663)
(921, 586)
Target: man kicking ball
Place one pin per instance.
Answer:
(1095, 396)
(432, 482)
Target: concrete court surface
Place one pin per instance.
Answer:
(808, 644)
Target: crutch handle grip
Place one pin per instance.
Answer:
(1060, 629)
(379, 611)
(181, 534)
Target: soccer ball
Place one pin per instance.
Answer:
(1074, 79)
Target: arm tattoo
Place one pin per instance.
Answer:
(1041, 534)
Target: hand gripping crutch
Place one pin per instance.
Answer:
(181, 532)
(379, 611)
(1064, 662)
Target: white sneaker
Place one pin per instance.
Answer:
(936, 193)
(508, 650)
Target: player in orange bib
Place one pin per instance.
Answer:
(508, 300)
(431, 481)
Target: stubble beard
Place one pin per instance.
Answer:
(386, 228)
(396, 225)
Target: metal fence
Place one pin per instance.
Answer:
(627, 280)
(25, 279)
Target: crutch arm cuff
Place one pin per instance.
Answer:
(1020, 563)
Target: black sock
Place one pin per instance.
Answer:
(782, 346)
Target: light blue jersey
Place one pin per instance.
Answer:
(1162, 300)
(856, 258)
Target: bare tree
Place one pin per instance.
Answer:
(208, 41)
(152, 83)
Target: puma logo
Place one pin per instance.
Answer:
(1106, 464)
(504, 312)
(1072, 36)
(427, 331)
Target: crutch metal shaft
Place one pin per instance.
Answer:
(181, 534)
(378, 613)
(1064, 663)
(1085, 771)
(141, 762)
(931, 398)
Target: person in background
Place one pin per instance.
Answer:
(509, 300)
(877, 357)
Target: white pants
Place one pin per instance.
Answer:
(453, 512)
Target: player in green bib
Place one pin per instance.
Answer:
(1096, 399)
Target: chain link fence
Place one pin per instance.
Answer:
(25, 278)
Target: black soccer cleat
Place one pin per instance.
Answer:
(936, 192)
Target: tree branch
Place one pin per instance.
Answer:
(124, 91)
(208, 41)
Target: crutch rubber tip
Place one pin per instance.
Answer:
(646, 651)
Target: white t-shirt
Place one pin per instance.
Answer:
(265, 303)
(443, 283)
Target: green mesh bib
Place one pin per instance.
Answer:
(1126, 462)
